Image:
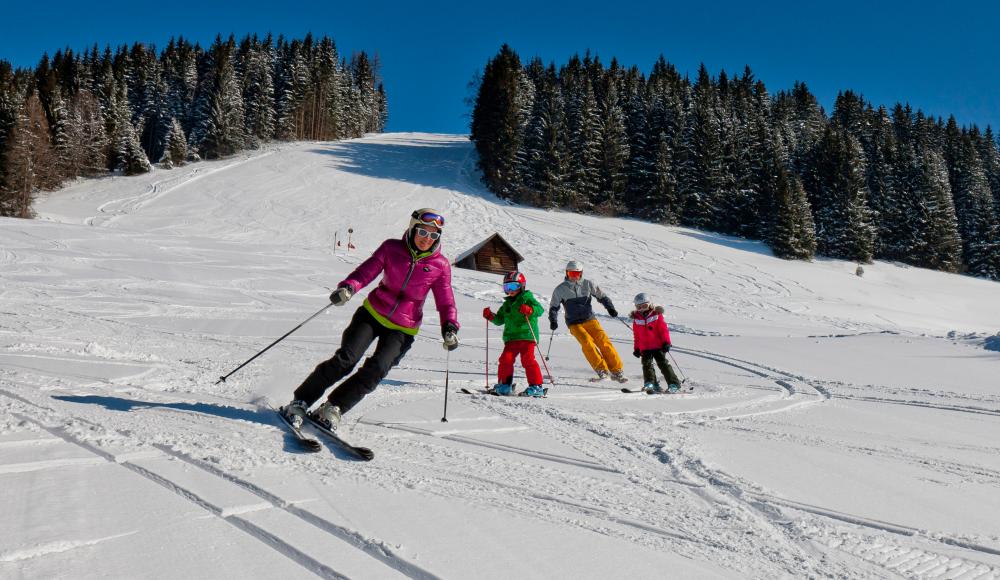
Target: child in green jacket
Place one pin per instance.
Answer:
(519, 316)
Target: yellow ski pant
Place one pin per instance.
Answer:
(596, 346)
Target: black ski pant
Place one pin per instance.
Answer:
(659, 358)
(358, 336)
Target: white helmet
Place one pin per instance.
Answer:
(573, 266)
(641, 298)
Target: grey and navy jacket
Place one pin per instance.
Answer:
(576, 297)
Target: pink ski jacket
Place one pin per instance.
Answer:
(649, 329)
(407, 277)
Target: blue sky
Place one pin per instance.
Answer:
(940, 57)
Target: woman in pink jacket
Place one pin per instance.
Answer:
(411, 268)
(652, 341)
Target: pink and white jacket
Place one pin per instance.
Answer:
(407, 278)
(649, 329)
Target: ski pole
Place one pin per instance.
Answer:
(683, 377)
(223, 378)
(487, 355)
(550, 345)
(447, 363)
(625, 323)
(552, 380)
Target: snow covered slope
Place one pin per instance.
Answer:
(840, 426)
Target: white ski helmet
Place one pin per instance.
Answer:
(573, 266)
(641, 298)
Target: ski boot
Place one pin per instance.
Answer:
(619, 376)
(295, 413)
(601, 375)
(503, 389)
(673, 388)
(652, 388)
(534, 391)
(327, 415)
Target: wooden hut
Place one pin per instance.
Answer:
(493, 254)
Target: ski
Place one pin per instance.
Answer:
(683, 390)
(491, 392)
(308, 443)
(362, 453)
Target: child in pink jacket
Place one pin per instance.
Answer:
(651, 338)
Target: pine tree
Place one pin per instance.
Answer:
(974, 211)
(127, 155)
(27, 161)
(175, 149)
(661, 203)
(701, 176)
(793, 236)
(255, 65)
(585, 150)
(936, 244)
(544, 148)
(838, 194)
(498, 118)
(219, 126)
(614, 155)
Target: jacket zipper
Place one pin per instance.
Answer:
(399, 296)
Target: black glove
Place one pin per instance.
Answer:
(665, 348)
(613, 312)
(449, 332)
(636, 353)
(553, 325)
(341, 295)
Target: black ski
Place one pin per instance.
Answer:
(362, 453)
(308, 443)
(683, 390)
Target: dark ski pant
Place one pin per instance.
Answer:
(358, 336)
(659, 358)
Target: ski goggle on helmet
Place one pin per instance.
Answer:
(427, 217)
(513, 282)
(574, 271)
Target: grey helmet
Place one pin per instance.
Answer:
(641, 298)
(573, 266)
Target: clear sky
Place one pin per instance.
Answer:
(942, 57)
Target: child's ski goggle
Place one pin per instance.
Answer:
(643, 307)
(429, 218)
(509, 287)
(428, 234)
(574, 274)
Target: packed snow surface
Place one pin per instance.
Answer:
(839, 426)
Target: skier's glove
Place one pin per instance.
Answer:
(665, 348)
(613, 312)
(450, 334)
(341, 295)
(636, 353)
(553, 325)
(488, 314)
(526, 309)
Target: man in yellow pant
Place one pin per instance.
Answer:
(576, 293)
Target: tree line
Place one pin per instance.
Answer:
(722, 154)
(83, 115)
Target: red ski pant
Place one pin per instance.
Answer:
(525, 348)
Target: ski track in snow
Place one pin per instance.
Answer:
(95, 362)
